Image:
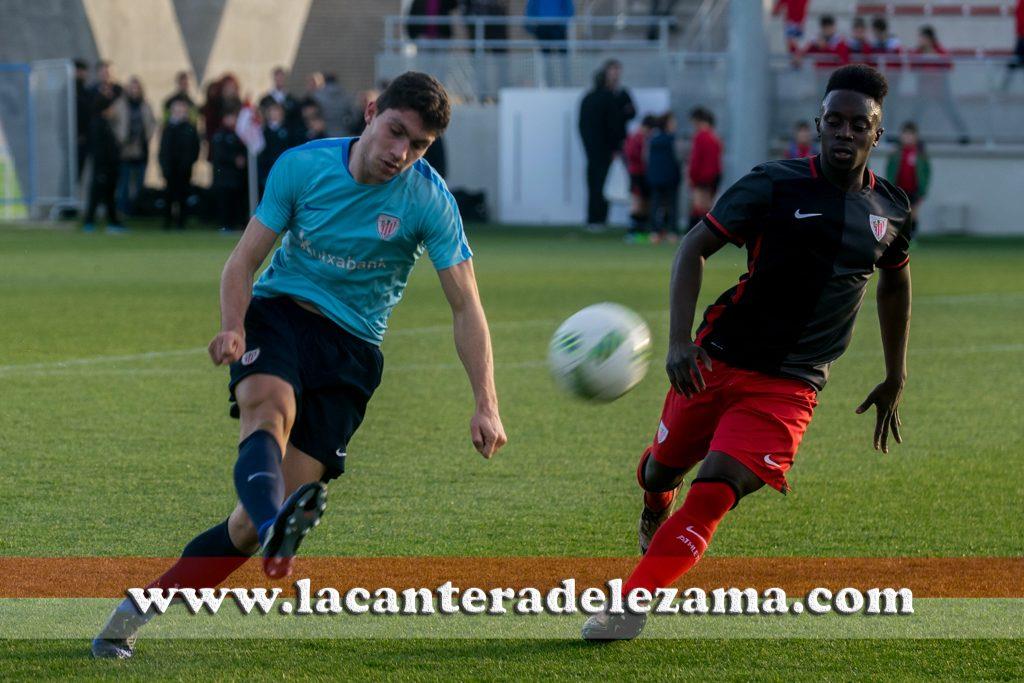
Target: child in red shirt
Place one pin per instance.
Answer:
(704, 172)
(633, 153)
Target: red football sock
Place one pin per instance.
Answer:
(683, 538)
(655, 502)
(208, 559)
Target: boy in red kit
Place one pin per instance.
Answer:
(911, 170)
(704, 172)
(744, 389)
(795, 14)
(633, 152)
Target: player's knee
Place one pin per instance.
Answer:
(656, 477)
(242, 531)
(723, 467)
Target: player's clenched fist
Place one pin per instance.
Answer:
(488, 433)
(226, 347)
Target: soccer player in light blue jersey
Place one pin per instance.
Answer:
(303, 343)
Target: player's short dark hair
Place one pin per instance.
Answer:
(909, 126)
(861, 78)
(929, 33)
(423, 94)
(858, 22)
(827, 20)
(702, 114)
(880, 24)
(650, 121)
(800, 125)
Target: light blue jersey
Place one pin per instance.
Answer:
(348, 248)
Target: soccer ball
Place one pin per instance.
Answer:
(601, 352)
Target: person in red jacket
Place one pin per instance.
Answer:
(795, 14)
(633, 153)
(704, 172)
(1018, 60)
(930, 60)
(829, 46)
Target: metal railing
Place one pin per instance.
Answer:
(582, 33)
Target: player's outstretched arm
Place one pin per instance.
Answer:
(684, 357)
(473, 343)
(894, 319)
(236, 291)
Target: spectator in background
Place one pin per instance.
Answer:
(829, 46)
(793, 22)
(604, 113)
(358, 118)
(229, 158)
(1018, 59)
(437, 156)
(314, 85)
(551, 32)
(885, 43)
(135, 126)
(705, 169)
(336, 106)
(660, 8)
(179, 150)
(486, 8)
(634, 153)
(429, 30)
(106, 161)
(105, 90)
(910, 169)
(277, 94)
(222, 96)
(859, 45)
(802, 145)
(932, 63)
(488, 84)
(82, 107)
(278, 139)
(316, 128)
(664, 178)
(181, 92)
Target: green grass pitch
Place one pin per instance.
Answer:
(127, 449)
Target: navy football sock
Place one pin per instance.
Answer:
(258, 479)
(214, 542)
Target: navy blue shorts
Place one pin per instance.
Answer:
(334, 374)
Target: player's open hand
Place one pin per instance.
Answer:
(226, 347)
(487, 432)
(886, 399)
(683, 367)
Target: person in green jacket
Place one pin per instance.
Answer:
(910, 169)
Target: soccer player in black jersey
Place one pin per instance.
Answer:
(744, 388)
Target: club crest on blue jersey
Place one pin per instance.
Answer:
(387, 226)
(879, 224)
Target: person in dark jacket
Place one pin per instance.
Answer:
(663, 178)
(83, 105)
(230, 171)
(431, 8)
(278, 139)
(106, 166)
(179, 150)
(604, 113)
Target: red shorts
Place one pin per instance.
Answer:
(756, 418)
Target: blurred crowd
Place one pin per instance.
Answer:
(118, 129)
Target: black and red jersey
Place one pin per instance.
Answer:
(811, 248)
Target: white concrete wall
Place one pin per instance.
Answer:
(973, 190)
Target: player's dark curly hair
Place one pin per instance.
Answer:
(860, 78)
(423, 94)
